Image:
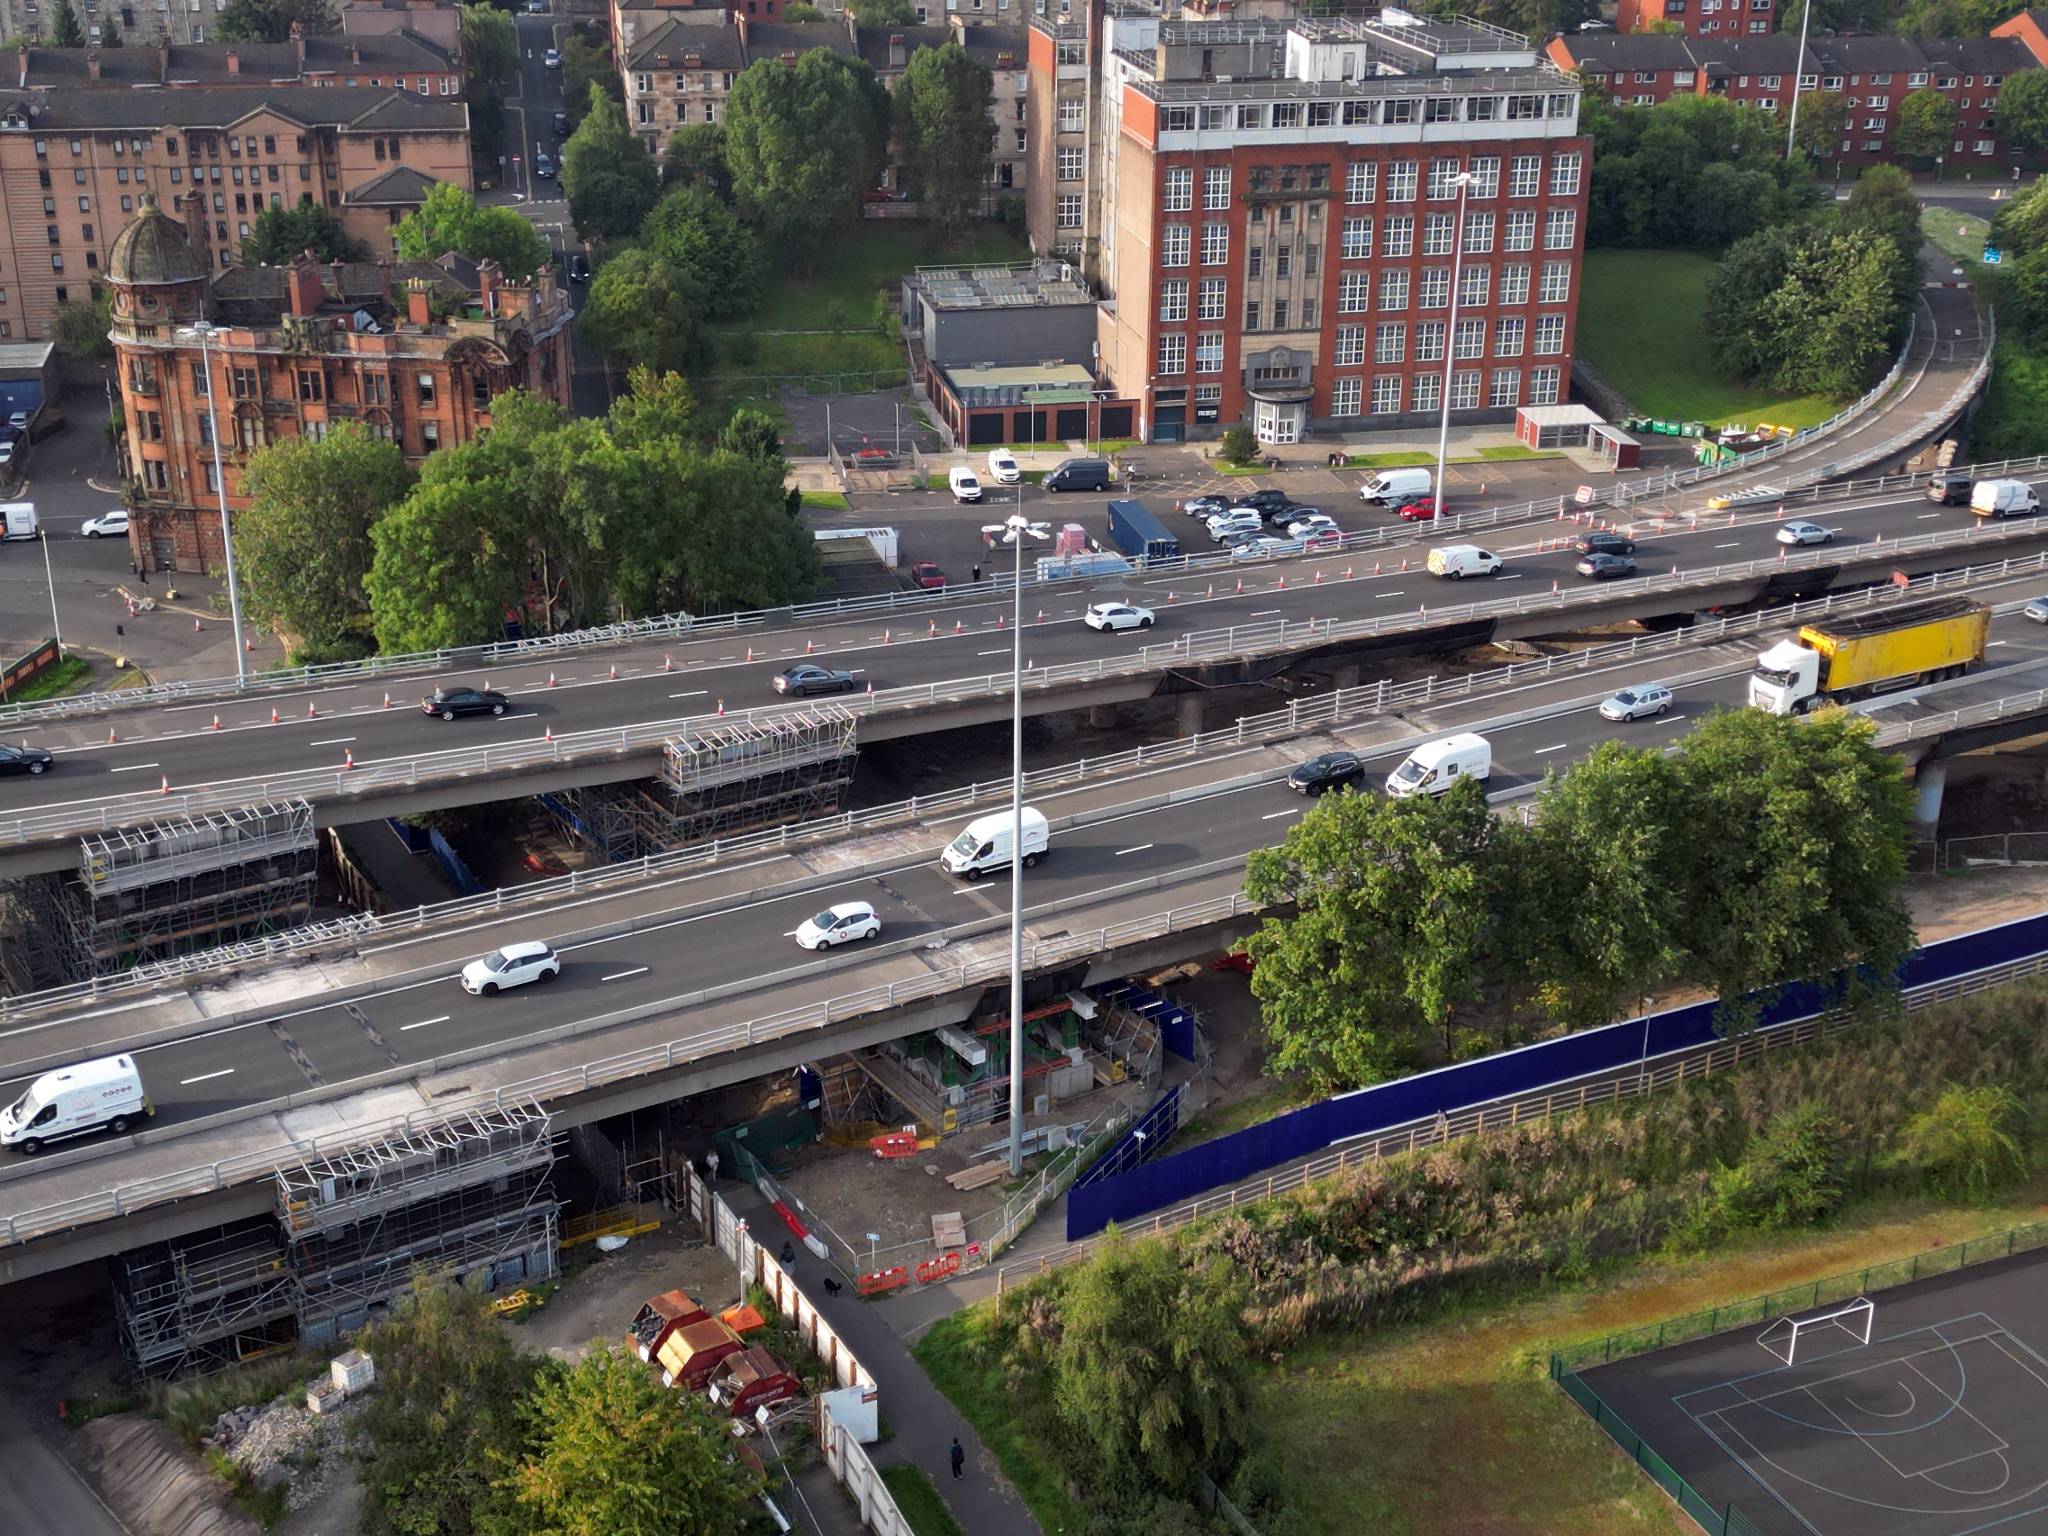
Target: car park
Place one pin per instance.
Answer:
(1315, 525)
(1332, 770)
(106, 525)
(961, 482)
(1003, 467)
(1236, 520)
(807, 677)
(1420, 511)
(1636, 702)
(450, 702)
(840, 924)
(1600, 566)
(1805, 533)
(513, 966)
(1604, 544)
(1204, 506)
(1950, 487)
(1116, 616)
(24, 760)
(2037, 610)
(926, 574)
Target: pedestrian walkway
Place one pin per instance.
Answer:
(923, 1423)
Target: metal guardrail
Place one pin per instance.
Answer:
(1341, 707)
(1237, 641)
(1994, 848)
(682, 626)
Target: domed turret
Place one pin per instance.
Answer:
(151, 249)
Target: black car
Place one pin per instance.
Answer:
(1268, 502)
(1950, 487)
(1601, 567)
(1333, 770)
(1287, 512)
(450, 702)
(561, 125)
(1605, 544)
(24, 760)
(808, 677)
(579, 268)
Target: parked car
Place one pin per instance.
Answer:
(1079, 475)
(1333, 770)
(839, 924)
(1420, 511)
(543, 167)
(1634, 703)
(1391, 487)
(536, 7)
(1604, 544)
(1315, 525)
(1805, 533)
(513, 966)
(560, 123)
(1267, 501)
(927, 575)
(1600, 566)
(1289, 512)
(579, 268)
(1260, 545)
(807, 677)
(24, 760)
(1115, 616)
(17, 421)
(1003, 467)
(961, 482)
(1950, 487)
(1236, 520)
(106, 524)
(450, 702)
(552, 59)
(1204, 506)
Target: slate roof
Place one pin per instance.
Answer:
(224, 106)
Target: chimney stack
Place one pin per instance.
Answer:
(306, 291)
(488, 277)
(234, 62)
(92, 63)
(299, 44)
(898, 54)
(23, 78)
(416, 309)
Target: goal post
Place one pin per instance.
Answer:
(1793, 1338)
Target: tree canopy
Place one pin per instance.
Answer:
(705, 241)
(65, 31)
(607, 173)
(490, 49)
(2023, 110)
(945, 128)
(695, 157)
(643, 313)
(1695, 171)
(270, 21)
(448, 219)
(1921, 131)
(804, 144)
(584, 64)
(1813, 308)
(281, 234)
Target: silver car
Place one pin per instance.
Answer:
(1636, 702)
(1805, 533)
(2037, 610)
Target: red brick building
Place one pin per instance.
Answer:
(1700, 18)
(1272, 214)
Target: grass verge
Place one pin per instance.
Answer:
(67, 676)
(878, 252)
(1261, 1104)
(189, 1407)
(783, 353)
(920, 1502)
(1640, 326)
(826, 501)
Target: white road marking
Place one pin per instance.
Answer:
(622, 975)
(1673, 719)
(1263, 613)
(332, 741)
(440, 1018)
(1139, 849)
(1541, 751)
(697, 693)
(1001, 651)
(207, 1077)
(1733, 544)
(1276, 815)
(1997, 643)
(1926, 515)
(134, 767)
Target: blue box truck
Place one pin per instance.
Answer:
(1134, 530)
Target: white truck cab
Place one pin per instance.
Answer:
(1436, 767)
(74, 1100)
(985, 844)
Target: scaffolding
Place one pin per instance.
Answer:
(189, 883)
(204, 1302)
(40, 950)
(732, 776)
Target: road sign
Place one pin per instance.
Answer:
(1993, 256)
(1584, 496)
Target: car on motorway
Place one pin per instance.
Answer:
(512, 966)
(560, 123)
(1420, 511)
(2037, 610)
(24, 760)
(106, 524)
(1604, 544)
(450, 702)
(926, 574)
(1314, 526)
(1116, 615)
(552, 59)
(1204, 506)
(1333, 770)
(807, 677)
(1636, 702)
(579, 268)
(1950, 487)
(543, 167)
(1236, 520)
(1003, 467)
(1600, 566)
(839, 924)
(1805, 533)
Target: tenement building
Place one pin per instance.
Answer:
(414, 352)
(1312, 223)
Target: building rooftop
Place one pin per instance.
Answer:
(1023, 286)
(225, 106)
(152, 249)
(660, 37)
(388, 53)
(1615, 53)
(1046, 383)
(18, 357)
(401, 186)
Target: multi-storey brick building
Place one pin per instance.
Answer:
(147, 23)
(415, 352)
(1701, 18)
(76, 164)
(399, 60)
(1273, 214)
(1873, 75)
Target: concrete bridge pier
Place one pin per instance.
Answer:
(1102, 716)
(1189, 721)
(1929, 780)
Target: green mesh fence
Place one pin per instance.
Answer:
(763, 1137)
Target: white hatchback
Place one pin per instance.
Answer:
(837, 925)
(1114, 616)
(513, 966)
(106, 524)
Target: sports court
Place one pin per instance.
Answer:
(1918, 1411)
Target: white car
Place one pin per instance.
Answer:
(1805, 533)
(106, 524)
(1635, 702)
(837, 925)
(1115, 616)
(1318, 525)
(1236, 520)
(513, 966)
(552, 59)
(960, 480)
(1003, 467)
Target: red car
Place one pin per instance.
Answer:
(1420, 511)
(928, 575)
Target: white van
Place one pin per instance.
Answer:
(1391, 486)
(2003, 498)
(964, 486)
(1003, 467)
(1436, 766)
(106, 1092)
(1456, 561)
(985, 844)
(18, 520)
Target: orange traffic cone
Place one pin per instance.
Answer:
(273, 714)
(312, 710)
(111, 737)
(167, 785)
(216, 722)
(348, 757)
(551, 679)
(668, 663)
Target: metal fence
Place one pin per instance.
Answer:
(1714, 1519)
(1994, 848)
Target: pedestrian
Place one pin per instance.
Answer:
(144, 574)
(977, 571)
(788, 1252)
(959, 1458)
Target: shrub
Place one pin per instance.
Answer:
(1240, 446)
(1967, 1144)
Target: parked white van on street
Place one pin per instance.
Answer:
(1437, 766)
(69, 1102)
(963, 484)
(1391, 486)
(985, 844)
(1003, 467)
(1456, 561)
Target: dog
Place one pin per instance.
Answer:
(832, 1286)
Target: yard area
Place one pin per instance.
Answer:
(1640, 327)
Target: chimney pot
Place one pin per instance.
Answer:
(92, 63)
(234, 62)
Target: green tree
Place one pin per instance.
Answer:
(448, 566)
(2023, 110)
(1815, 309)
(752, 434)
(1883, 199)
(1968, 1144)
(705, 241)
(883, 13)
(804, 144)
(442, 1427)
(1794, 860)
(585, 64)
(1239, 445)
(1149, 1377)
(1823, 115)
(945, 128)
(280, 235)
(695, 157)
(643, 313)
(448, 219)
(270, 21)
(490, 49)
(607, 173)
(615, 1453)
(304, 538)
(1925, 122)
(110, 32)
(65, 32)
(82, 325)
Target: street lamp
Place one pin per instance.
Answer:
(1463, 182)
(49, 576)
(204, 332)
(1018, 530)
(1798, 70)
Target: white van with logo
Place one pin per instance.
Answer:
(1454, 562)
(1438, 766)
(985, 844)
(1392, 486)
(70, 1102)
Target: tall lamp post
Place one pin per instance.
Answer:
(203, 333)
(1463, 182)
(1799, 69)
(1018, 530)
